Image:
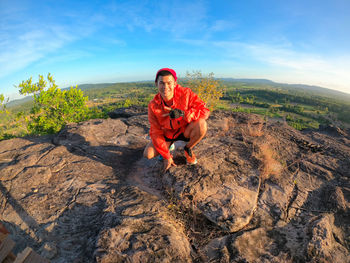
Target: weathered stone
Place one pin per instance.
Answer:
(127, 112)
(322, 244)
(87, 194)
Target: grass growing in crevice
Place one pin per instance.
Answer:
(198, 228)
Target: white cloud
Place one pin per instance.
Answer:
(172, 16)
(21, 49)
(25, 39)
(283, 63)
(221, 25)
(316, 69)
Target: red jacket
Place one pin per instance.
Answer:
(184, 99)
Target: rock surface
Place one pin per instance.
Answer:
(261, 192)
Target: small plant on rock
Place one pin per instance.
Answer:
(53, 108)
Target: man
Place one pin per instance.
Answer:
(175, 113)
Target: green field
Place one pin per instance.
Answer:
(299, 105)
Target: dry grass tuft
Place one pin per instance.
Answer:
(262, 149)
(197, 227)
(269, 164)
(224, 126)
(255, 129)
(252, 245)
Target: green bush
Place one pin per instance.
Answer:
(53, 108)
(3, 102)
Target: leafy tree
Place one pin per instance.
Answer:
(237, 98)
(3, 102)
(53, 108)
(3, 114)
(209, 89)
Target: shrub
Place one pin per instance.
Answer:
(3, 111)
(53, 108)
(3, 102)
(209, 89)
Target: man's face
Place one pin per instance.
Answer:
(166, 85)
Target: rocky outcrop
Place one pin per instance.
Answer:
(261, 192)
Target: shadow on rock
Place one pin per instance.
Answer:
(110, 142)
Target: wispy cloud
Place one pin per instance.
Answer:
(315, 67)
(286, 63)
(64, 57)
(47, 34)
(25, 39)
(221, 25)
(171, 16)
(309, 68)
(20, 50)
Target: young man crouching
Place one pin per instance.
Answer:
(175, 113)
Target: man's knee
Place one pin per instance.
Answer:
(145, 153)
(148, 152)
(196, 129)
(202, 126)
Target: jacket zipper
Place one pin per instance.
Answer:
(176, 133)
(171, 125)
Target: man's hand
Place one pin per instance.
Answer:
(168, 163)
(167, 108)
(174, 113)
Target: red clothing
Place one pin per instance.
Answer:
(185, 100)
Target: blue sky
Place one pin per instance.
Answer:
(299, 41)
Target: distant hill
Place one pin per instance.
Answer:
(256, 81)
(18, 102)
(299, 88)
(94, 86)
(320, 91)
(315, 90)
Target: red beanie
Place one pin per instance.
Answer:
(171, 71)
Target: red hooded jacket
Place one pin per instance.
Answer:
(185, 100)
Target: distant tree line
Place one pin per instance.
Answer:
(289, 102)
